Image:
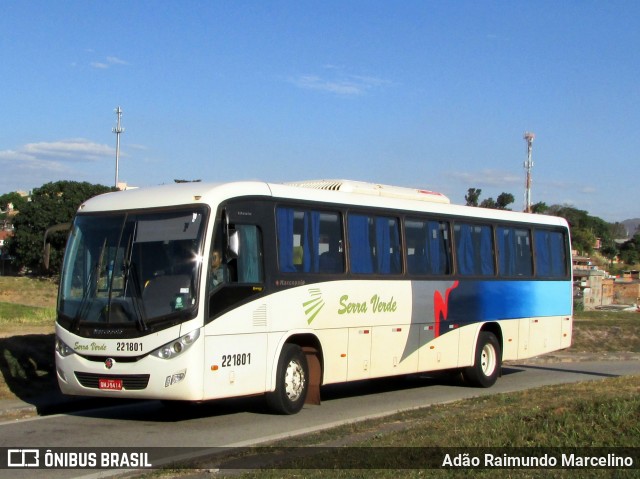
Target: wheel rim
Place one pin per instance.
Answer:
(488, 360)
(294, 381)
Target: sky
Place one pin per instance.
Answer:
(424, 94)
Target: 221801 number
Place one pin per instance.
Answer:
(129, 346)
(240, 359)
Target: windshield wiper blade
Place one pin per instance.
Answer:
(136, 297)
(84, 302)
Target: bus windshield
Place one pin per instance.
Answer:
(131, 270)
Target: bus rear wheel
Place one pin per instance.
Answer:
(292, 381)
(487, 364)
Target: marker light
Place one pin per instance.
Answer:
(177, 347)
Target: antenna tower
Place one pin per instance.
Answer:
(117, 130)
(528, 165)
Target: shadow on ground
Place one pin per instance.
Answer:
(27, 364)
(27, 367)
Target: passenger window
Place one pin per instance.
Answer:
(374, 244)
(474, 249)
(428, 248)
(551, 254)
(309, 241)
(514, 251)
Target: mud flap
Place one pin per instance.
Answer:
(315, 372)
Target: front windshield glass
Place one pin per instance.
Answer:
(131, 270)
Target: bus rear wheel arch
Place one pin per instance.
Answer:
(487, 361)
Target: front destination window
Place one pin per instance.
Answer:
(131, 273)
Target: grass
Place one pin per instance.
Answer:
(27, 291)
(606, 331)
(591, 414)
(27, 305)
(33, 315)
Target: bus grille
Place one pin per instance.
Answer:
(129, 381)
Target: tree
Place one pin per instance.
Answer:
(489, 203)
(472, 196)
(630, 250)
(586, 229)
(16, 199)
(504, 200)
(583, 240)
(540, 208)
(51, 204)
(618, 230)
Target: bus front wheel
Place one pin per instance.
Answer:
(488, 361)
(292, 381)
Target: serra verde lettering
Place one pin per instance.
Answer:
(78, 346)
(376, 305)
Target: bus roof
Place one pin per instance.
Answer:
(375, 189)
(326, 191)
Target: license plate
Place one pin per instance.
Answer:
(111, 384)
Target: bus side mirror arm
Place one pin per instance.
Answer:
(46, 252)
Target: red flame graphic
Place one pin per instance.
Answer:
(441, 306)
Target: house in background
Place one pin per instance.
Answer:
(591, 285)
(596, 288)
(626, 288)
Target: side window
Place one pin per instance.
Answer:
(428, 248)
(249, 261)
(309, 241)
(218, 271)
(474, 249)
(514, 251)
(246, 267)
(374, 244)
(551, 254)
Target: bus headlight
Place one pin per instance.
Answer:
(177, 347)
(62, 349)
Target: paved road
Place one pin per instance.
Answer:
(247, 422)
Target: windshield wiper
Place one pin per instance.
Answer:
(136, 297)
(88, 292)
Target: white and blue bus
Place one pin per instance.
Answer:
(198, 291)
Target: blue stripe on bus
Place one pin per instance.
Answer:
(443, 303)
(476, 300)
(520, 299)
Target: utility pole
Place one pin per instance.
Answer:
(528, 165)
(117, 130)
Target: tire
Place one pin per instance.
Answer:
(487, 362)
(292, 381)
